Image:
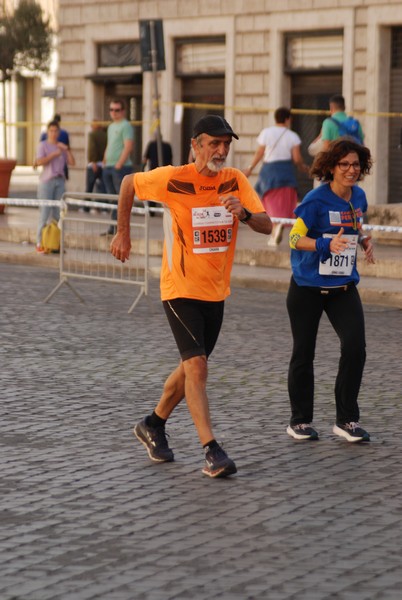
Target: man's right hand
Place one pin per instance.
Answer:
(120, 246)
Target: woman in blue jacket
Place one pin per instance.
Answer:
(323, 245)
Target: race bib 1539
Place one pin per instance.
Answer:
(212, 229)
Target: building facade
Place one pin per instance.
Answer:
(243, 59)
(30, 98)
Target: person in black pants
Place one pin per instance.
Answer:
(324, 243)
(151, 158)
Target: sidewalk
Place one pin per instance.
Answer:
(256, 264)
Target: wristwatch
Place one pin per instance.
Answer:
(248, 215)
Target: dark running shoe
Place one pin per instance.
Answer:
(217, 463)
(303, 431)
(154, 440)
(352, 432)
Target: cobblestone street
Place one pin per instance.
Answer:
(86, 515)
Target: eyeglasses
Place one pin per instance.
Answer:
(114, 109)
(345, 166)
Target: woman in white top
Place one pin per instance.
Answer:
(276, 185)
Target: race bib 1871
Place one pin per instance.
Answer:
(212, 229)
(340, 264)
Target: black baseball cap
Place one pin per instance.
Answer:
(213, 125)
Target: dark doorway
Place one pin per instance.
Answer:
(311, 92)
(395, 124)
(199, 90)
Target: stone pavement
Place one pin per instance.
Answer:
(86, 515)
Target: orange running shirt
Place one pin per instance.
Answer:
(200, 234)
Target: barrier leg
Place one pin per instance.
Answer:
(58, 286)
(134, 304)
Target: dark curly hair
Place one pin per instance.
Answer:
(326, 161)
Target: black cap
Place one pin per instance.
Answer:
(213, 125)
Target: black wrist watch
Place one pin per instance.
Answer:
(248, 215)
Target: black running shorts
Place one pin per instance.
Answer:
(195, 325)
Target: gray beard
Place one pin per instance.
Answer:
(215, 168)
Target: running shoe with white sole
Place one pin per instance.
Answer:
(351, 432)
(302, 431)
(154, 440)
(217, 463)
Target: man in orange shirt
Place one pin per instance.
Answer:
(204, 202)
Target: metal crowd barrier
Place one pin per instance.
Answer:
(85, 253)
(84, 246)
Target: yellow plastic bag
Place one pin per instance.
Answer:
(51, 238)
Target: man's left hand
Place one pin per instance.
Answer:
(232, 205)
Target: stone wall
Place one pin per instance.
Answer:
(257, 83)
